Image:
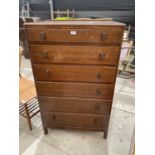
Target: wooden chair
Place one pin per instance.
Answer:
(28, 103)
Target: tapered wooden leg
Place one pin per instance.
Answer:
(105, 134)
(45, 131)
(28, 117)
(106, 129)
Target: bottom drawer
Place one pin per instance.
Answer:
(75, 120)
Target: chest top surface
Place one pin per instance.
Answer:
(89, 23)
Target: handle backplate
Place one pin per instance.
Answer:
(45, 54)
(104, 35)
(98, 92)
(48, 73)
(54, 117)
(102, 56)
(99, 76)
(42, 36)
(97, 107)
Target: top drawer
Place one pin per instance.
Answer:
(104, 35)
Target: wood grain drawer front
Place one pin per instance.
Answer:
(61, 104)
(75, 54)
(74, 73)
(75, 120)
(104, 35)
(83, 90)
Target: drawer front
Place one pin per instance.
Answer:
(104, 35)
(61, 104)
(74, 120)
(83, 90)
(75, 54)
(74, 73)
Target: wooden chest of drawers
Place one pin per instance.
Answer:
(75, 66)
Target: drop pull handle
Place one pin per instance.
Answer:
(95, 120)
(98, 92)
(54, 117)
(52, 104)
(45, 54)
(48, 73)
(104, 35)
(42, 36)
(99, 76)
(97, 107)
(102, 56)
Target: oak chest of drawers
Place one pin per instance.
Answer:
(75, 66)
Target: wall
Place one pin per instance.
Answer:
(119, 10)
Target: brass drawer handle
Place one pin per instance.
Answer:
(48, 73)
(99, 76)
(104, 35)
(97, 107)
(95, 120)
(102, 56)
(52, 104)
(42, 36)
(98, 92)
(54, 117)
(45, 54)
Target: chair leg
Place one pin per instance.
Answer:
(28, 117)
